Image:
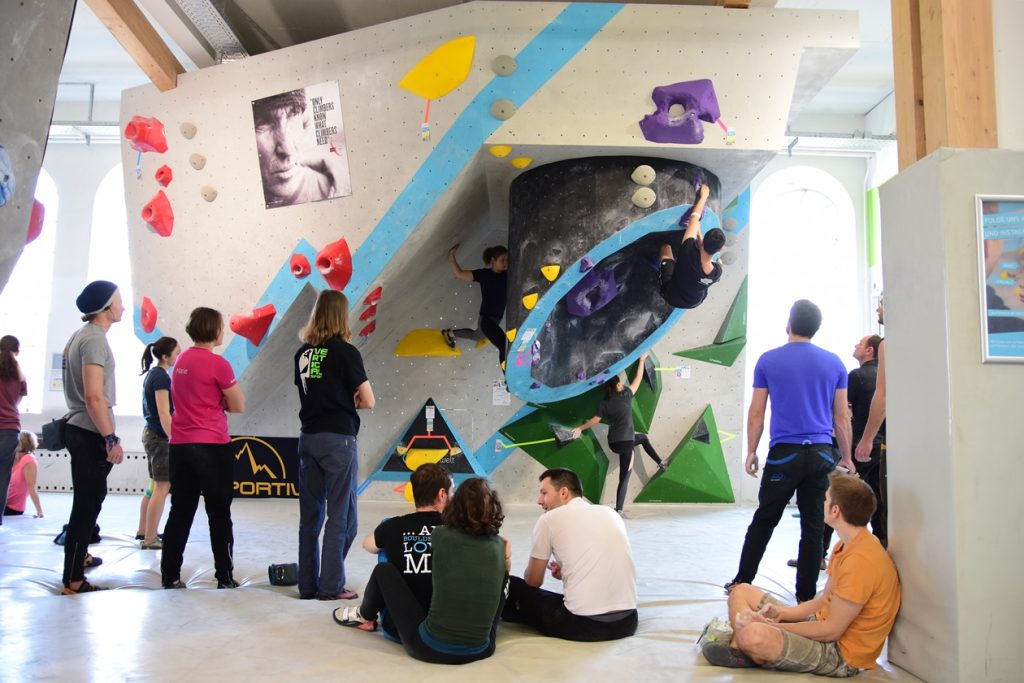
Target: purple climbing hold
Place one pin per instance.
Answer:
(592, 293)
(699, 104)
(535, 385)
(586, 263)
(581, 375)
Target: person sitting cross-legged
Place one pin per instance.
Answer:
(841, 631)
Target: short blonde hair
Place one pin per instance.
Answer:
(328, 319)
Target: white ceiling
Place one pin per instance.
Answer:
(94, 57)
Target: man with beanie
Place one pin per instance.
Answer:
(90, 438)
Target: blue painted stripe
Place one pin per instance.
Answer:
(538, 62)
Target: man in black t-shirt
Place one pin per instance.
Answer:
(405, 541)
(685, 282)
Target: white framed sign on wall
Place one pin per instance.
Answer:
(1001, 264)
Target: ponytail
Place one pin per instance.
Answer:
(157, 351)
(9, 346)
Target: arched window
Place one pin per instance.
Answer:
(803, 246)
(108, 260)
(25, 300)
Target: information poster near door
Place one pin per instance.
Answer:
(1001, 261)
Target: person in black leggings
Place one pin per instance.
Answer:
(617, 410)
(469, 568)
(493, 289)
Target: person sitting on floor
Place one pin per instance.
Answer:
(841, 631)
(469, 566)
(405, 540)
(593, 559)
(23, 478)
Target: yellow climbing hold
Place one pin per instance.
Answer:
(530, 300)
(522, 162)
(420, 456)
(500, 151)
(511, 334)
(481, 343)
(442, 70)
(425, 343)
(503, 366)
(550, 272)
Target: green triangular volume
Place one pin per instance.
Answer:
(735, 324)
(719, 354)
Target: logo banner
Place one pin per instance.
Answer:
(266, 467)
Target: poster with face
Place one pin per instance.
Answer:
(1001, 235)
(300, 142)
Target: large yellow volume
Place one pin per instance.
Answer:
(442, 70)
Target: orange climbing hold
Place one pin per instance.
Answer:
(146, 134)
(368, 330)
(335, 263)
(164, 175)
(158, 214)
(35, 221)
(373, 297)
(300, 266)
(147, 315)
(368, 313)
(254, 324)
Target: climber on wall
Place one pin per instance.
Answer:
(684, 284)
(493, 289)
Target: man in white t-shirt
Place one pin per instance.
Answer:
(592, 558)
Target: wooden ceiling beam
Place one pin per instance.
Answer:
(129, 26)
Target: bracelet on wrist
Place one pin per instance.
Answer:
(111, 440)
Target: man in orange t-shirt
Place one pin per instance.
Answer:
(837, 633)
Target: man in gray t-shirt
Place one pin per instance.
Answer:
(89, 435)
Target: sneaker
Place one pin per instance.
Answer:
(729, 586)
(142, 537)
(345, 594)
(824, 563)
(230, 583)
(449, 337)
(663, 465)
(175, 585)
(86, 587)
(157, 544)
(719, 653)
(350, 616)
(92, 561)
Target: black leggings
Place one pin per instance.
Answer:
(387, 588)
(89, 469)
(624, 449)
(486, 327)
(546, 612)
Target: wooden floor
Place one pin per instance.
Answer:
(265, 633)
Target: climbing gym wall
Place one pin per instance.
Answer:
(518, 124)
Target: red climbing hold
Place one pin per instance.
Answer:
(373, 297)
(159, 215)
(147, 315)
(254, 324)
(300, 266)
(368, 330)
(164, 175)
(146, 134)
(368, 313)
(35, 221)
(335, 263)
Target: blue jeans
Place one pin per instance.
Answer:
(328, 470)
(791, 468)
(8, 448)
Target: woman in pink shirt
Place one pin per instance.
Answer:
(23, 478)
(12, 389)
(203, 387)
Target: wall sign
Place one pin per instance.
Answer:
(1001, 264)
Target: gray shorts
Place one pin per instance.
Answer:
(803, 655)
(157, 455)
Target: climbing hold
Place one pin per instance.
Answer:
(198, 161)
(164, 175)
(254, 324)
(373, 297)
(500, 151)
(208, 193)
(368, 313)
(335, 263)
(503, 109)
(522, 162)
(7, 183)
(535, 385)
(368, 330)
(728, 258)
(698, 103)
(550, 272)
(299, 265)
(730, 239)
(441, 71)
(730, 224)
(158, 214)
(188, 130)
(592, 293)
(503, 65)
(644, 198)
(530, 300)
(147, 315)
(511, 334)
(146, 134)
(643, 175)
(35, 221)
(586, 263)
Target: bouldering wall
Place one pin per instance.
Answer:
(520, 96)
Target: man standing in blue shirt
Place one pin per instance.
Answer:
(807, 386)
